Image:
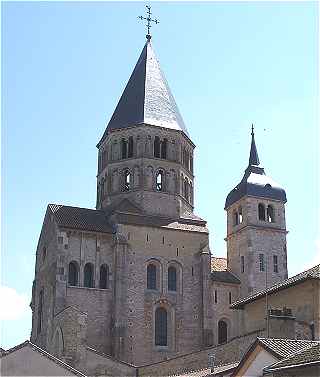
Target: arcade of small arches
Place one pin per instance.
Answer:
(88, 275)
(265, 213)
(159, 179)
(155, 147)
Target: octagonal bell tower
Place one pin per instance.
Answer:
(145, 153)
(256, 228)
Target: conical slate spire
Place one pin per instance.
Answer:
(254, 158)
(147, 98)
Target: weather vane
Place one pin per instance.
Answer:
(149, 20)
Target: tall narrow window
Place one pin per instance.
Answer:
(230, 298)
(127, 180)
(73, 273)
(124, 148)
(222, 332)
(240, 217)
(164, 148)
(235, 218)
(159, 181)
(186, 189)
(156, 147)
(191, 163)
(161, 327)
(130, 147)
(172, 279)
(270, 214)
(40, 312)
(215, 296)
(242, 263)
(88, 275)
(104, 277)
(261, 262)
(275, 264)
(151, 276)
(262, 212)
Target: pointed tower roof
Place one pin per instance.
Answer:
(255, 182)
(254, 158)
(147, 98)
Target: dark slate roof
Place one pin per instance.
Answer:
(147, 98)
(255, 182)
(80, 218)
(309, 356)
(44, 353)
(312, 273)
(224, 277)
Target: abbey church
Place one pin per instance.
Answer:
(133, 282)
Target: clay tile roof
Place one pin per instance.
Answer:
(312, 273)
(286, 347)
(311, 355)
(218, 264)
(80, 218)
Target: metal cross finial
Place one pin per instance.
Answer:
(149, 20)
(252, 130)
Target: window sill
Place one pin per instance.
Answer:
(93, 288)
(161, 348)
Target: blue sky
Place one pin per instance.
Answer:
(64, 66)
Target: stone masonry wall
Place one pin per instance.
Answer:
(164, 247)
(253, 237)
(221, 309)
(224, 354)
(45, 281)
(144, 166)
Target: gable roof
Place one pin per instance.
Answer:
(44, 353)
(146, 99)
(308, 356)
(80, 218)
(312, 273)
(280, 348)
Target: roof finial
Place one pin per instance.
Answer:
(149, 20)
(254, 158)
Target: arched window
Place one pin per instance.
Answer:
(151, 276)
(186, 189)
(161, 327)
(40, 312)
(127, 180)
(240, 217)
(164, 148)
(270, 214)
(222, 332)
(73, 273)
(156, 147)
(172, 279)
(104, 277)
(235, 218)
(159, 181)
(88, 275)
(124, 148)
(262, 212)
(130, 147)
